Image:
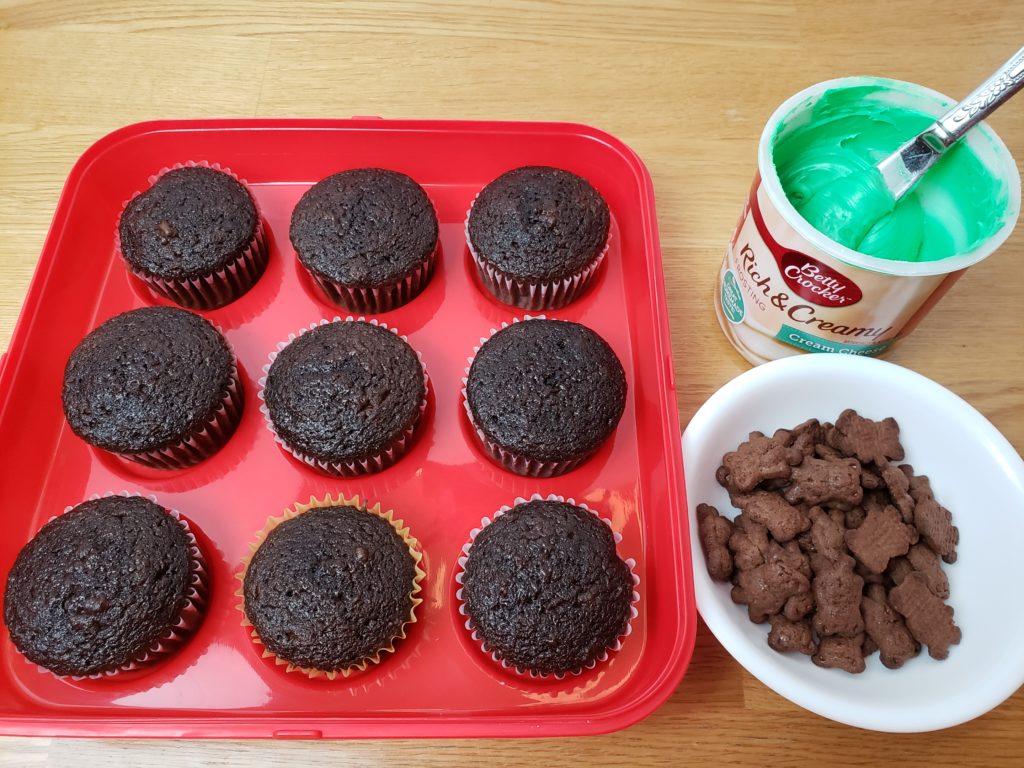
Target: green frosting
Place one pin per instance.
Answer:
(826, 167)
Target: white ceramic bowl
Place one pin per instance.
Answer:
(975, 473)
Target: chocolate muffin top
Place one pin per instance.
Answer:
(545, 588)
(539, 222)
(145, 379)
(344, 391)
(192, 222)
(365, 227)
(546, 389)
(97, 585)
(330, 588)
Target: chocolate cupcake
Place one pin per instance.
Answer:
(345, 397)
(368, 237)
(157, 385)
(543, 395)
(195, 236)
(331, 586)
(111, 585)
(544, 590)
(537, 236)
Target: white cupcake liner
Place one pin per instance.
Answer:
(534, 293)
(375, 463)
(379, 298)
(206, 439)
(191, 614)
(298, 509)
(220, 287)
(510, 460)
(492, 653)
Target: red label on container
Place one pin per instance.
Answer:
(816, 282)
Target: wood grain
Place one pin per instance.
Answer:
(688, 86)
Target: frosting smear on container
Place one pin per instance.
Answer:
(826, 167)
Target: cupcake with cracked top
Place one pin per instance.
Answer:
(331, 587)
(194, 236)
(109, 586)
(368, 237)
(157, 385)
(537, 236)
(544, 590)
(345, 397)
(543, 395)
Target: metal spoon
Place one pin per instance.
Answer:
(905, 167)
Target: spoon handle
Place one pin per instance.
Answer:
(983, 100)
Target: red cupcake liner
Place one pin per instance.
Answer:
(189, 618)
(534, 293)
(379, 298)
(491, 652)
(206, 439)
(369, 465)
(510, 460)
(220, 287)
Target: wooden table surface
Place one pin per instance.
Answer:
(689, 86)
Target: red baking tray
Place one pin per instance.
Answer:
(438, 683)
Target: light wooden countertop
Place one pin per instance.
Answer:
(689, 86)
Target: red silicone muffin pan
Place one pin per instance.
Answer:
(438, 683)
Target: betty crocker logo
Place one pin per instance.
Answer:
(810, 279)
(818, 283)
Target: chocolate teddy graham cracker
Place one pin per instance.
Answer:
(838, 547)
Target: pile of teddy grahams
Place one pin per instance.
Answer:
(837, 546)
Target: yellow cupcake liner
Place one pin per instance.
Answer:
(331, 501)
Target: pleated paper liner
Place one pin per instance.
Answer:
(534, 294)
(371, 464)
(378, 298)
(218, 288)
(491, 652)
(205, 440)
(328, 501)
(189, 618)
(509, 459)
